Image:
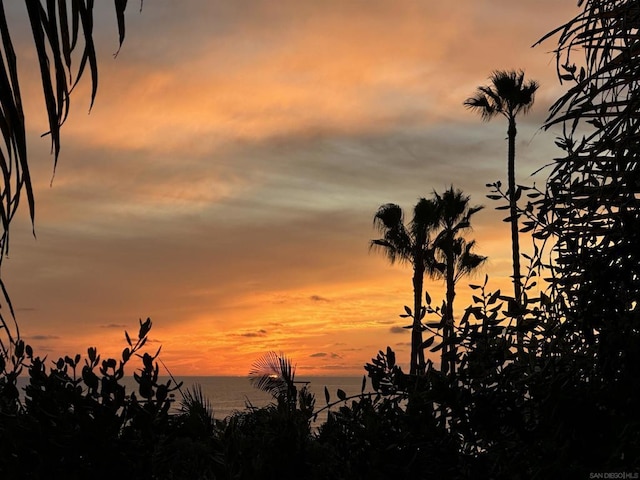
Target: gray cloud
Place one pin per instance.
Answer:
(43, 337)
(259, 333)
(131, 230)
(385, 322)
(318, 298)
(325, 355)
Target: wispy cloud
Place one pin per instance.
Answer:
(225, 181)
(318, 298)
(259, 333)
(43, 337)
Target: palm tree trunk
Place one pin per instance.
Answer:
(417, 353)
(513, 213)
(448, 362)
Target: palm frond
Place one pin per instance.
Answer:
(426, 214)
(388, 216)
(468, 262)
(454, 205)
(396, 244)
(508, 94)
(273, 374)
(511, 87)
(481, 104)
(195, 402)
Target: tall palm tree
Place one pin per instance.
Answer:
(433, 245)
(453, 258)
(508, 95)
(409, 244)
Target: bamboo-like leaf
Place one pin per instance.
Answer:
(36, 13)
(65, 39)
(391, 358)
(494, 297)
(428, 342)
(85, 13)
(121, 6)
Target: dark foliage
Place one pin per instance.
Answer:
(541, 385)
(591, 207)
(76, 417)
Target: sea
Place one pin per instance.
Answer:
(233, 394)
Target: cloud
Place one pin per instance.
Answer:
(340, 367)
(45, 348)
(325, 355)
(230, 169)
(318, 298)
(259, 333)
(385, 322)
(43, 337)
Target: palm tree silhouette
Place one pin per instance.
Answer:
(508, 95)
(409, 244)
(453, 259)
(432, 245)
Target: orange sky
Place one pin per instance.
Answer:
(226, 180)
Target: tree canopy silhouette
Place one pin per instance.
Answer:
(453, 259)
(432, 245)
(409, 244)
(592, 202)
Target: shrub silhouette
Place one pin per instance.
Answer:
(77, 418)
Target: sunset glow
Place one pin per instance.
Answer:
(225, 182)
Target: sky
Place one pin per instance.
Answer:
(225, 182)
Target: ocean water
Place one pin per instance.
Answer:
(230, 394)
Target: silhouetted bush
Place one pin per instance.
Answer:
(76, 418)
